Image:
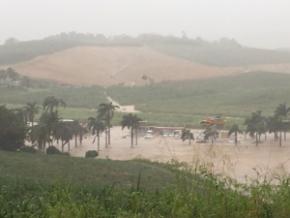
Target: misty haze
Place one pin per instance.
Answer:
(145, 108)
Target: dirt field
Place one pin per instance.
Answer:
(242, 162)
(115, 65)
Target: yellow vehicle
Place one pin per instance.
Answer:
(213, 121)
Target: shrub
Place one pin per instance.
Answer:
(28, 149)
(92, 154)
(52, 150)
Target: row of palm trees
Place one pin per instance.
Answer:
(102, 123)
(51, 128)
(258, 125)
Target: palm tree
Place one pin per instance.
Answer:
(211, 133)
(132, 122)
(256, 125)
(186, 134)
(51, 104)
(31, 109)
(282, 112)
(106, 113)
(97, 127)
(78, 131)
(41, 136)
(235, 130)
(64, 132)
(50, 122)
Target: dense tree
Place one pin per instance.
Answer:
(78, 131)
(106, 113)
(211, 133)
(235, 129)
(132, 122)
(46, 130)
(96, 126)
(31, 109)
(51, 104)
(256, 125)
(186, 134)
(281, 113)
(12, 129)
(64, 132)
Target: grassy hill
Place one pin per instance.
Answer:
(50, 170)
(170, 103)
(34, 185)
(225, 52)
(230, 95)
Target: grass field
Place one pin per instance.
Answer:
(178, 103)
(34, 185)
(229, 96)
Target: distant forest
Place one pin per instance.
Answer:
(224, 52)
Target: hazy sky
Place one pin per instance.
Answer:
(261, 23)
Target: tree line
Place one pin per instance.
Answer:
(50, 128)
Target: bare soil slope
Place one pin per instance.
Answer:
(116, 65)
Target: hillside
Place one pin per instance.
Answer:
(236, 95)
(223, 52)
(169, 103)
(56, 186)
(113, 65)
(49, 170)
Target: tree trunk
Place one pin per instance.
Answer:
(109, 136)
(81, 139)
(132, 137)
(68, 146)
(76, 141)
(62, 145)
(109, 130)
(136, 136)
(280, 139)
(98, 142)
(106, 138)
(285, 136)
(276, 136)
(236, 138)
(257, 140)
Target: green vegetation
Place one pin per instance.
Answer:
(132, 122)
(91, 154)
(234, 96)
(12, 129)
(81, 97)
(33, 185)
(171, 103)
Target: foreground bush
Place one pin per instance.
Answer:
(53, 186)
(91, 154)
(53, 150)
(28, 149)
(185, 199)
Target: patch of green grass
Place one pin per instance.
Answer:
(236, 96)
(53, 169)
(57, 186)
(171, 103)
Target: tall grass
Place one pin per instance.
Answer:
(194, 192)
